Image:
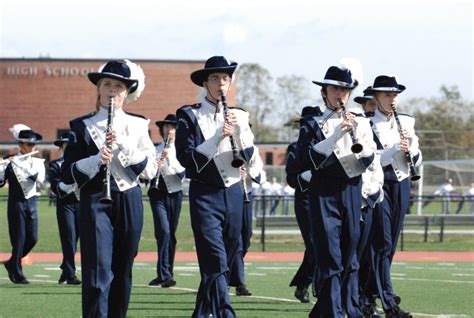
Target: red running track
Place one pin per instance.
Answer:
(268, 257)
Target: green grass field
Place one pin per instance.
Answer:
(49, 236)
(427, 289)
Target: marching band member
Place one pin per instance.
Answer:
(203, 147)
(372, 196)
(254, 169)
(372, 182)
(367, 102)
(394, 143)
(23, 172)
(298, 179)
(327, 146)
(110, 231)
(166, 197)
(67, 213)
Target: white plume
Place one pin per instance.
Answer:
(355, 67)
(15, 130)
(136, 72)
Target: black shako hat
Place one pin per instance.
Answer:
(385, 83)
(65, 137)
(29, 136)
(368, 95)
(118, 70)
(215, 64)
(169, 119)
(338, 76)
(307, 111)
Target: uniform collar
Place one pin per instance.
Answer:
(210, 107)
(381, 116)
(104, 110)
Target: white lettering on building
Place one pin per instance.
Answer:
(48, 71)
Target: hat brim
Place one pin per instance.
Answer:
(362, 99)
(33, 140)
(200, 76)
(60, 142)
(131, 84)
(400, 89)
(337, 83)
(161, 123)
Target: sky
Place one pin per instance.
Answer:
(426, 44)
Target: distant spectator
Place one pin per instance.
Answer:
(288, 193)
(443, 191)
(276, 191)
(468, 195)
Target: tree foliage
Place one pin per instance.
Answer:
(254, 94)
(445, 123)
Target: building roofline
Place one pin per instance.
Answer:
(48, 59)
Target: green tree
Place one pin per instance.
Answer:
(293, 94)
(445, 124)
(254, 94)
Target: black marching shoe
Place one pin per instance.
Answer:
(70, 281)
(397, 299)
(370, 311)
(22, 280)
(62, 280)
(396, 312)
(14, 279)
(73, 281)
(11, 276)
(155, 282)
(169, 283)
(242, 290)
(302, 295)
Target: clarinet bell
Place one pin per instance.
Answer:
(237, 162)
(357, 148)
(414, 176)
(106, 200)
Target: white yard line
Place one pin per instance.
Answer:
(268, 298)
(435, 280)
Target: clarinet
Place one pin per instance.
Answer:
(237, 160)
(106, 195)
(156, 181)
(414, 176)
(244, 189)
(356, 146)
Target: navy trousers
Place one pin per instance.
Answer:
(109, 237)
(365, 255)
(216, 219)
(237, 268)
(388, 223)
(68, 223)
(166, 208)
(23, 229)
(304, 275)
(335, 210)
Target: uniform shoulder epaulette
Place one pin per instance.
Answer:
(239, 108)
(193, 106)
(291, 146)
(318, 111)
(79, 119)
(136, 115)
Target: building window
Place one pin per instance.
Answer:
(269, 158)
